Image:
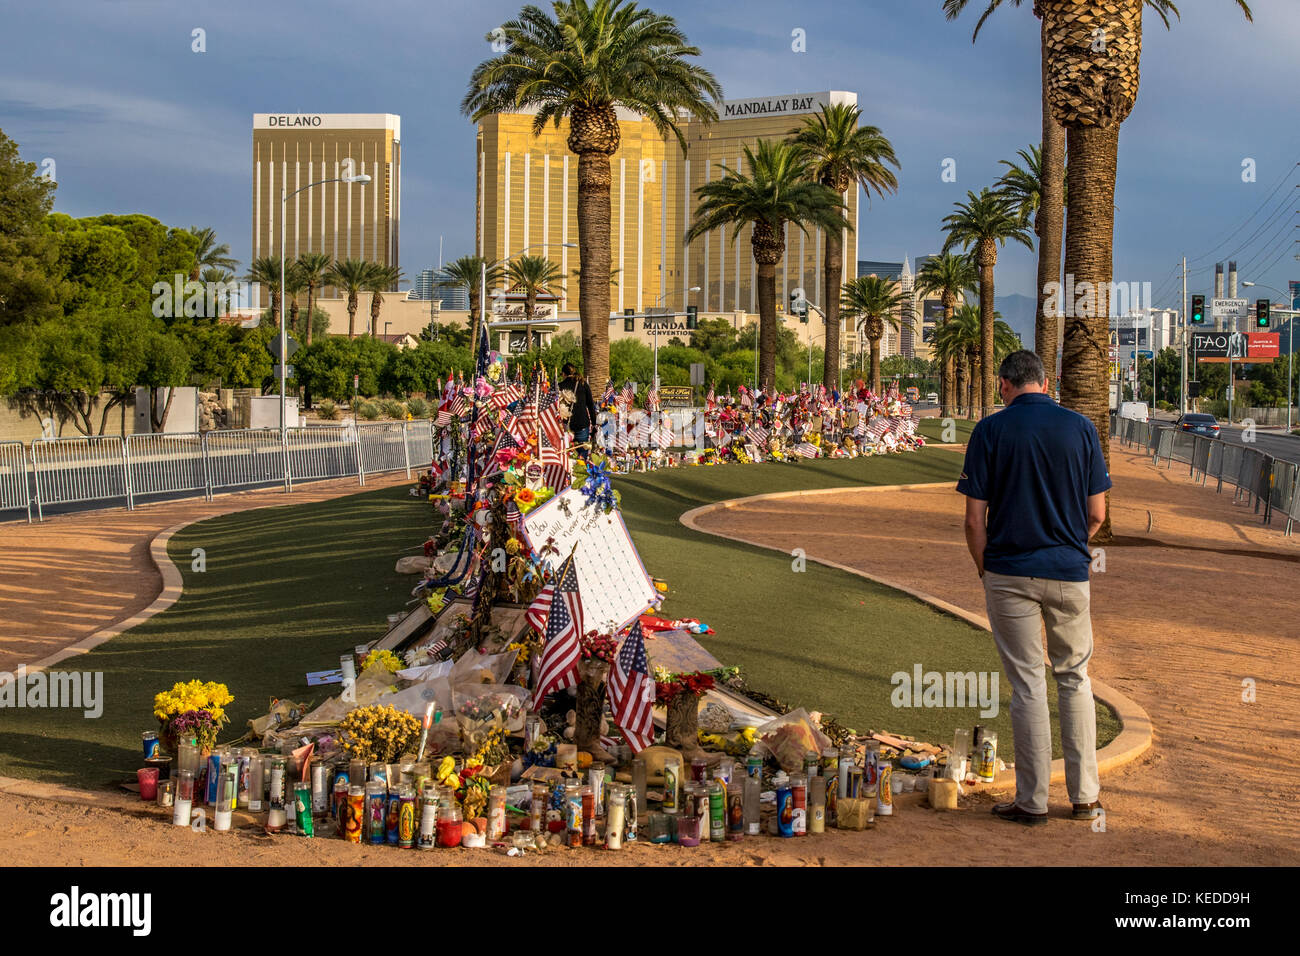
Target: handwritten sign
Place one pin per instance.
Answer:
(612, 581)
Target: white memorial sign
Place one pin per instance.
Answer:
(613, 582)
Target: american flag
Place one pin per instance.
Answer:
(652, 399)
(632, 692)
(458, 403)
(745, 400)
(609, 397)
(559, 660)
(505, 395)
(710, 400)
(548, 414)
(878, 427)
(541, 607)
(757, 434)
(626, 398)
(444, 410)
(555, 466)
(807, 449)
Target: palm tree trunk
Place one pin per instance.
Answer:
(275, 309)
(1093, 152)
(987, 260)
(352, 315)
(593, 256)
(530, 303)
(310, 297)
(976, 381)
(959, 396)
(766, 325)
(875, 367)
(947, 382)
(473, 321)
(832, 279)
(1048, 224)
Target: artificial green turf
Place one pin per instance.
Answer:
(287, 589)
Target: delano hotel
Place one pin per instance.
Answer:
(342, 220)
(527, 196)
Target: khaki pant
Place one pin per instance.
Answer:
(1018, 609)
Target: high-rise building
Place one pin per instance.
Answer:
(342, 220)
(528, 195)
(428, 286)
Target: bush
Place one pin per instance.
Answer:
(1165, 406)
(367, 410)
(418, 408)
(327, 411)
(392, 408)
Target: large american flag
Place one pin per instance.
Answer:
(540, 608)
(556, 472)
(559, 660)
(757, 434)
(548, 415)
(626, 398)
(632, 692)
(807, 449)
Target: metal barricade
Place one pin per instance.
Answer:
(1230, 467)
(383, 448)
(70, 470)
(165, 464)
(1282, 484)
(1248, 473)
(1200, 456)
(1164, 445)
(322, 451)
(243, 457)
(419, 443)
(15, 487)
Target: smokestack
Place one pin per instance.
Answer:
(1218, 292)
(1232, 280)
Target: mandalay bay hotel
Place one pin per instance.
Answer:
(527, 198)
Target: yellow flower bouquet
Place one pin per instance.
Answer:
(191, 710)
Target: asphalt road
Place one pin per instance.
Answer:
(1275, 443)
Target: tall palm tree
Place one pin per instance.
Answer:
(873, 303)
(1091, 89)
(951, 277)
(959, 339)
(775, 189)
(531, 275)
(210, 253)
(578, 65)
(467, 273)
(350, 277)
(265, 271)
(219, 278)
(982, 223)
(1049, 221)
(382, 279)
(312, 266)
(294, 285)
(841, 154)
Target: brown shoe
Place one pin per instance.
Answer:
(1087, 811)
(1009, 811)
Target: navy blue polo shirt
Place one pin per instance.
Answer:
(1036, 464)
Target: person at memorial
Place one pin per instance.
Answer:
(1035, 481)
(575, 391)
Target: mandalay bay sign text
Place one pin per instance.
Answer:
(782, 105)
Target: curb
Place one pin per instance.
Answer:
(1135, 736)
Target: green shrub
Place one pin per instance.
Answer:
(418, 408)
(392, 408)
(327, 411)
(367, 410)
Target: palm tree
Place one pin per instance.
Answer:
(774, 190)
(312, 266)
(983, 223)
(578, 65)
(382, 279)
(210, 254)
(841, 154)
(219, 278)
(1049, 222)
(951, 276)
(959, 340)
(350, 276)
(265, 271)
(294, 285)
(532, 274)
(467, 272)
(873, 303)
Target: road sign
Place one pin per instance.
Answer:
(274, 347)
(1229, 308)
(1146, 353)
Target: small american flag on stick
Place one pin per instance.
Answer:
(632, 692)
(559, 660)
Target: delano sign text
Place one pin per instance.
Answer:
(293, 121)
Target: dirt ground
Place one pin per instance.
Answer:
(1196, 598)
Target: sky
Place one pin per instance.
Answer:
(135, 121)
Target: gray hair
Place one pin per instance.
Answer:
(1021, 368)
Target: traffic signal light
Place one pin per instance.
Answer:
(1261, 313)
(692, 316)
(1198, 310)
(629, 323)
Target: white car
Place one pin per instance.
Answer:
(932, 398)
(1136, 411)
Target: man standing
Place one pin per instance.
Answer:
(1035, 482)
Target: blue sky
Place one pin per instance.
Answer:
(137, 122)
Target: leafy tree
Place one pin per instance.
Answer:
(29, 285)
(209, 254)
(351, 277)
